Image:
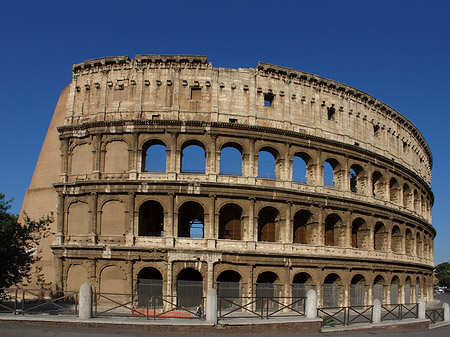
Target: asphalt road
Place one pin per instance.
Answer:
(22, 330)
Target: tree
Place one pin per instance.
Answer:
(18, 244)
(443, 274)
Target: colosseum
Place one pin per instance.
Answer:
(168, 176)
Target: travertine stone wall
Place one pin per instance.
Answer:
(118, 223)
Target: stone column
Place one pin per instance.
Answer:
(320, 236)
(173, 156)
(348, 229)
(389, 238)
(211, 169)
(93, 217)
(251, 220)
(168, 228)
(134, 154)
(85, 311)
(130, 231)
(376, 311)
(59, 273)
(210, 276)
(209, 230)
(60, 219)
(288, 223)
(445, 306)
(252, 170)
(169, 283)
(97, 153)
(211, 306)
(311, 304)
(422, 308)
(64, 147)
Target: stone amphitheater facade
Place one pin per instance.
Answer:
(119, 222)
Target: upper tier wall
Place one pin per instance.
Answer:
(189, 88)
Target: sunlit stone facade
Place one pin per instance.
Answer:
(359, 231)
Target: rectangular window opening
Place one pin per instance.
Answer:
(196, 94)
(268, 99)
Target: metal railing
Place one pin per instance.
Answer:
(127, 305)
(111, 304)
(38, 301)
(435, 315)
(260, 307)
(170, 307)
(399, 311)
(346, 315)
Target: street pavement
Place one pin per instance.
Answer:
(8, 329)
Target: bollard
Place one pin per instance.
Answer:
(376, 316)
(311, 304)
(421, 303)
(211, 306)
(445, 306)
(85, 301)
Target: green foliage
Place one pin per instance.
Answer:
(443, 274)
(18, 244)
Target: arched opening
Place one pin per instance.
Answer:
(360, 234)
(332, 230)
(357, 179)
(394, 191)
(231, 160)
(267, 163)
(229, 286)
(267, 224)
(396, 240)
(154, 157)
(300, 164)
(358, 290)
(407, 289)
(377, 185)
(301, 283)
(230, 222)
(379, 289)
(191, 220)
(409, 242)
(331, 291)
(380, 237)
(267, 285)
(189, 288)
(302, 227)
(193, 158)
(151, 219)
(149, 285)
(395, 288)
(331, 176)
(407, 196)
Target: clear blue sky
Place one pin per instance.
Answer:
(397, 51)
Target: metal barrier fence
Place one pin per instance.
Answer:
(435, 315)
(260, 307)
(187, 307)
(346, 315)
(399, 311)
(127, 305)
(38, 301)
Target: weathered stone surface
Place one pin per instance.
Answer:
(119, 222)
